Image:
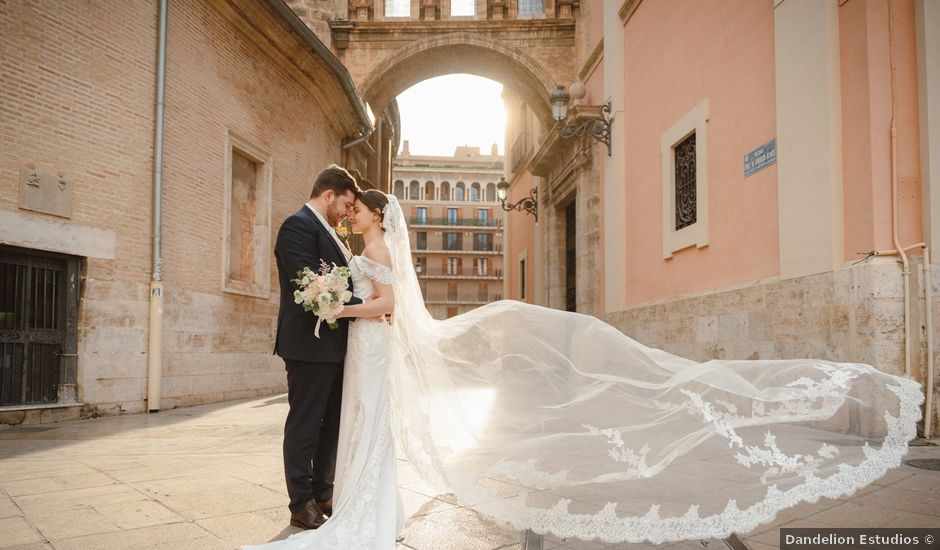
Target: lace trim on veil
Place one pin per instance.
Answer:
(608, 526)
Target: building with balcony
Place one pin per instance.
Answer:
(455, 224)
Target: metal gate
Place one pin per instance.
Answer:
(32, 326)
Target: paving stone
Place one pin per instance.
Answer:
(211, 477)
(17, 531)
(457, 529)
(175, 535)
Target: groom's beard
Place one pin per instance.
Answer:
(333, 215)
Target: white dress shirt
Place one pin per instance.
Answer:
(332, 232)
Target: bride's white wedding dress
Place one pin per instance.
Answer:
(367, 510)
(558, 422)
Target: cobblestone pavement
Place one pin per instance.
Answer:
(211, 477)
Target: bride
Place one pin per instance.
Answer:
(557, 422)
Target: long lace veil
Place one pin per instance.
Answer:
(557, 422)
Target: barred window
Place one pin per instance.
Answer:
(397, 8)
(686, 206)
(531, 7)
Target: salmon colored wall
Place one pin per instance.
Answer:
(727, 55)
(866, 121)
(521, 237)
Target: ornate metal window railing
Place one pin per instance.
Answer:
(686, 205)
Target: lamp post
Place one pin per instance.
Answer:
(528, 204)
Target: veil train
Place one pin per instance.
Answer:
(557, 422)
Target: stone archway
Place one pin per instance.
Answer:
(465, 53)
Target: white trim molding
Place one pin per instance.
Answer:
(696, 234)
(261, 234)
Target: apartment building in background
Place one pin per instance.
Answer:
(455, 224)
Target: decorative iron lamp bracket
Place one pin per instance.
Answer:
(595, 120)
(528, 204)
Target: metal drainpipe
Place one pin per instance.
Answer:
(155, 344)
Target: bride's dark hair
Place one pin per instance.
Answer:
(375, 201)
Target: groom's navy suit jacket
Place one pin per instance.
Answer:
(303, 242)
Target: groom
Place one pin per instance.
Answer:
(314, 365)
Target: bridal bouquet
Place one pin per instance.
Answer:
(323, 293)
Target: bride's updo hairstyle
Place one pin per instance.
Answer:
(375, 201)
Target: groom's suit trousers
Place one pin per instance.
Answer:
(314, 391)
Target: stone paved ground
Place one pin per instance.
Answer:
(211, 477)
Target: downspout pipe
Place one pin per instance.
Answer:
(928, 298)
(905, 265)
(155, 341)
(339, 70)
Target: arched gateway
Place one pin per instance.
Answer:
(528, 47)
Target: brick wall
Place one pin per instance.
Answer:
(76, 96)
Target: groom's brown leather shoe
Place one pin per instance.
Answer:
(327, 507)
(309, 517)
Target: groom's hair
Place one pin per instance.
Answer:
(336, 178)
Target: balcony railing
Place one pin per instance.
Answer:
(467, 298)
(497, 249)
(466, 222)
(466, 272)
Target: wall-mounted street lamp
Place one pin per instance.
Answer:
(595, 119)
(528, 204)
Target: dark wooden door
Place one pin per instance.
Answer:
(571, 259)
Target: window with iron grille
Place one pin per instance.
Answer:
(686, 205)
(39, 298)
(684, 148)
(531, 7)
